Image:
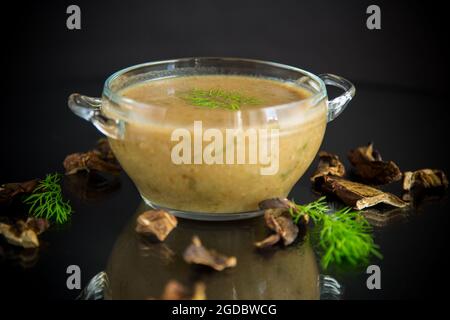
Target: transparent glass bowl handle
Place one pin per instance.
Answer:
(338, 104)
(89, 108)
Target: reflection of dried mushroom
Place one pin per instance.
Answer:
(196, 253)
(199, 291)
(176, 291)
(158, 223)
(329, 164)
(26, 258)
(10, 190)
(104, 150)
(425, 179)
(91, 186)
(358, 195)
(382, 218)
(159, 251)
(38, 225)
(24, 233)
(370, 167)
(271, 240)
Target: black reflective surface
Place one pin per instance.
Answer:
(400, 104)
(139, 268)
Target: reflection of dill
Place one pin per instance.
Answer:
(218, 98)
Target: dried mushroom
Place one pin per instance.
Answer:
(371, 168)
(329, 164)
(280, 221)
(100, 159)
(9, 191)
(158, 223)
(196, 253)
(425, 179)
(24, 233)
(358, 195)
(275, 203)
(87, 161)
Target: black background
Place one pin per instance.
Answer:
(401, 104)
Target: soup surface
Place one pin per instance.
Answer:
(229, 183)
(170, 92)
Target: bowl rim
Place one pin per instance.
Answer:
(119, 99)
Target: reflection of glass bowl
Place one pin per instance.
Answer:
(139, 269)
(140, 136)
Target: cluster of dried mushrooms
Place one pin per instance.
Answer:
(22, 231)
(19, 230)
(158, 224)
(371, 171)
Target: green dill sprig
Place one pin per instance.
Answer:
(218, 98)
(47, 201)
(344, 236)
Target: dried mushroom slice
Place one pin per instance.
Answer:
(280, 221)
(158, 223)
(427, 179)
(358, 195)
(100, 159)
(196, 253)
(275, 203)
(87, 161)
(370, 167)
(9, 191)
(329, 164)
